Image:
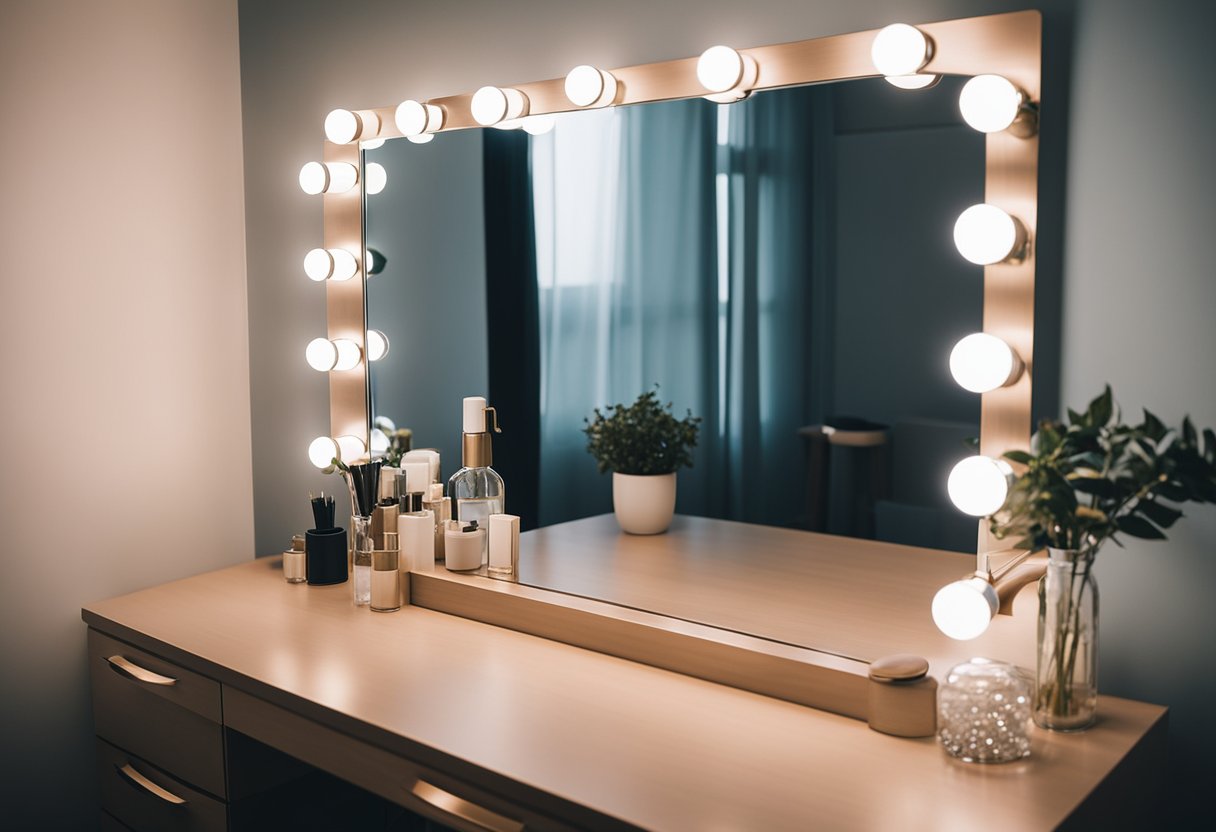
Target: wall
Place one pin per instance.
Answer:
(1131, 205)
(125, 382)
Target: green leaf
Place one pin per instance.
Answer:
(1209, 445)
(1153, 427)
(1075, 418)
(1139, 527)
(1101, 409)
(1161, 514)
(1021, 457)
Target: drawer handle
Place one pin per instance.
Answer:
(140, 674)
(479, 816)
(136, 779)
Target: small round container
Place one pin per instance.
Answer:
(983, 712)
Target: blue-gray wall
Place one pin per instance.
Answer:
(1127, 104)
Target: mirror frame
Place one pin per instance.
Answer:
(1008, 45)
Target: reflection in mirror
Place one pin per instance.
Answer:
(776, 266)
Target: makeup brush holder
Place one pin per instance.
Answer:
(325, 553)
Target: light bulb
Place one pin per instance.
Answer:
(900, 49)
(423, 139)
(322, 451)
(342, 126)
(373, 261)
(415, 118)
(377, 345)
(380, 441)
(723, 70)
(491, 105)
(539, 125)
(984, 234)
(350, 448)
(372, 144)
(375, 178)
(328, 178)
(348, 354)
(587, 86)
(964, 609)
(982, 362)
(978, 485)
(321, 354)
(919, 81)
(990, 103)
(330, 264)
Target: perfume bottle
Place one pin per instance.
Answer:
(440, 508)
(476, 490)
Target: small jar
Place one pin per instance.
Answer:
(984, 710)
(294, 568)
(902, 696)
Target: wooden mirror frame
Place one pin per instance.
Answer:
(1008, 45)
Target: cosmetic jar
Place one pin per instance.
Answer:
(294, 562)
(463, 546)
(984, 712)
(902, 696)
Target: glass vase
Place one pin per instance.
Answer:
(1066, 684)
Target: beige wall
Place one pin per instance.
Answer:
(126, 447)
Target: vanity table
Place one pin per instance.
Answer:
(482, 728)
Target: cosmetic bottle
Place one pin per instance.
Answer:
(293, 561)
(428, 455)
(465, 545)
(416, 531)
(476, 489)
(412, 484)
(504, 546)
(441, 509)
(386, 581)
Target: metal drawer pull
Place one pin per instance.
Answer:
(140, 674)
(458, 807)
(136, 779)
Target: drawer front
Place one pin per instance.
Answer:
(454, 803)
(147, 799)
(158, 711)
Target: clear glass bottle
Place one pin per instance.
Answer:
(1066, 684)
(476, 490)
(364, 545)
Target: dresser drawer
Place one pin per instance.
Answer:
(147, 799)
(158, 711)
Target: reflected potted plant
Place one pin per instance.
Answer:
(1083, 483)
(643, 445)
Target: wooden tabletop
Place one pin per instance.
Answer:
(632, 742)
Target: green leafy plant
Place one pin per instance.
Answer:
(641, 438)
(1096, 478)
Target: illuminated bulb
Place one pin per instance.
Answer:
(322, 451)
(984, 234)
(964, 609)
(491, 105)
(539, 125)
(321, 354)
(377, 345)
(587, 86)
(900, 49)
(342, 126)
(348, 354)
(330, 264)
(380, 441)
(990, 103)
(919, 81)
(328, 178)
(978, 485)
(415, 118)
(372, 144)
(375, 177)
(350, 448)
(423, 139)
(373, 261)
(726, 73)
(982, 362)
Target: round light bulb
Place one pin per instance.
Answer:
(423, 139)
(380, 441)
(721, 69)
(318, 264)
(375, 177)
(919, 81)
(372, 144)
(372, 261)
(491, 105)
(342, 177)
(322, 451)
(314, 178)
(350, 448)
(900, 49)
(345, 264)
(539, 125)
(321, 354)
(964, 609)
(348, 354)
(984, 234)
(982, 362)
(342, 126)
(978, 485)
(587, 86)
(377, 345)
(411, 118)
(990, 103)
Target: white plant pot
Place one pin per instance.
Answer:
(644, 504)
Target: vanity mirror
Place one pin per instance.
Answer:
(702, 211)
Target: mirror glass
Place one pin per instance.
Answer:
(774, 266)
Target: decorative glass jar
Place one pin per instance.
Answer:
(983, 712)
(1066, 689)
